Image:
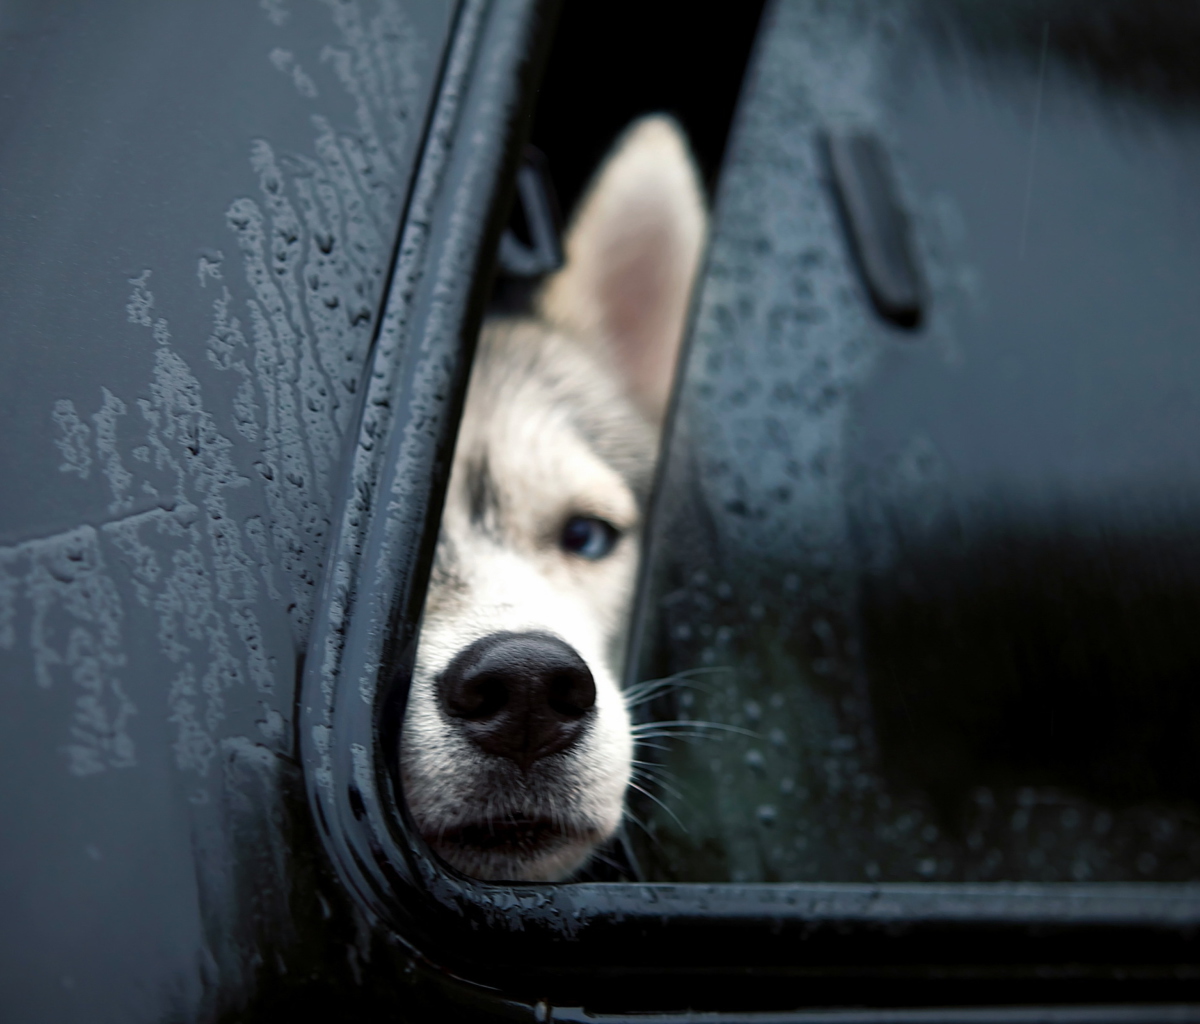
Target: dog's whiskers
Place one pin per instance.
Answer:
(660, 782)
(643, 743)
(651, 766)
(604, 859)
(631, 817)
(651, 796)
(660, 730)
(647, 690)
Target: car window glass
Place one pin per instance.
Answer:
(924, 587)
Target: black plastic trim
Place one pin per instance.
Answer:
(536, 196)
(876, 224)
(1166, 1013)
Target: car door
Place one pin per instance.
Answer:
(222, 223)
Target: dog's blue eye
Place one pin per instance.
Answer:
(589, 537)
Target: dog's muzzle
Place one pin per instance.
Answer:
(520, 696)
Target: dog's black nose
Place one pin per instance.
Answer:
(519, 695)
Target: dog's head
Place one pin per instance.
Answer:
(516, 748)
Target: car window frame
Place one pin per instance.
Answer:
(611, 943)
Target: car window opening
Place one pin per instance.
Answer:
(516, 752)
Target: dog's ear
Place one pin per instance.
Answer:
(632, 252)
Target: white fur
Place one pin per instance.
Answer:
(562, 409)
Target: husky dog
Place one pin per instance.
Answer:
(516, 749)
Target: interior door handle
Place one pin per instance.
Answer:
(877, 225)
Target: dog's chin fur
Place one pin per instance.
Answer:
(529, 829)
(557, 424)
(551, 860)
(531, 839)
